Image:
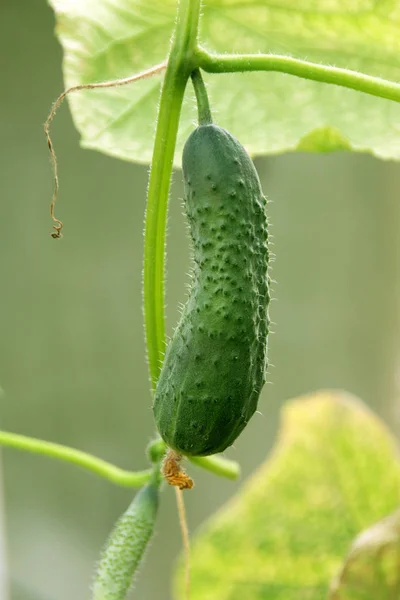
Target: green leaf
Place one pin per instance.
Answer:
(334, 472)
(372, 568)
(268, 112)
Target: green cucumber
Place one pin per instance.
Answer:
(126, 546)
(215, 364)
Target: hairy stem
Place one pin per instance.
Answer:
(178, 70)
(77, 457)
(203, 104)
(231, 63)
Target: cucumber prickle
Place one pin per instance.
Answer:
(215, 364)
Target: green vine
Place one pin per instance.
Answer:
(234, 63)
(76, 457)
(180, 65)
(216, 464)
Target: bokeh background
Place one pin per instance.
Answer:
(72, 355)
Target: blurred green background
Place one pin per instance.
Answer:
(72, 356)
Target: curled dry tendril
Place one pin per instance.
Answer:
(57, 224)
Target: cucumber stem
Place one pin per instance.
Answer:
(203, 104)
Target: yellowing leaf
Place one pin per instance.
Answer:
(334, 472)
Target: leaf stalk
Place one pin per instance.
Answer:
(233, 63)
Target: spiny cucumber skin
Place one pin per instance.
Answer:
(215, 364)
(126, 546)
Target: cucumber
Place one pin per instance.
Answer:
(215, 364)
(126, 546)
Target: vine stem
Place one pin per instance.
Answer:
(216, 464)
(77, 457)
(178, 71)
(232, 63)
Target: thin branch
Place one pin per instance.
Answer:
(58, 225)
(232, 63)
(77, 457)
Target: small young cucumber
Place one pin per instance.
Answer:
(126, 546)
(215, 364)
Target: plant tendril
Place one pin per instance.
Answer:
(58, 225)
